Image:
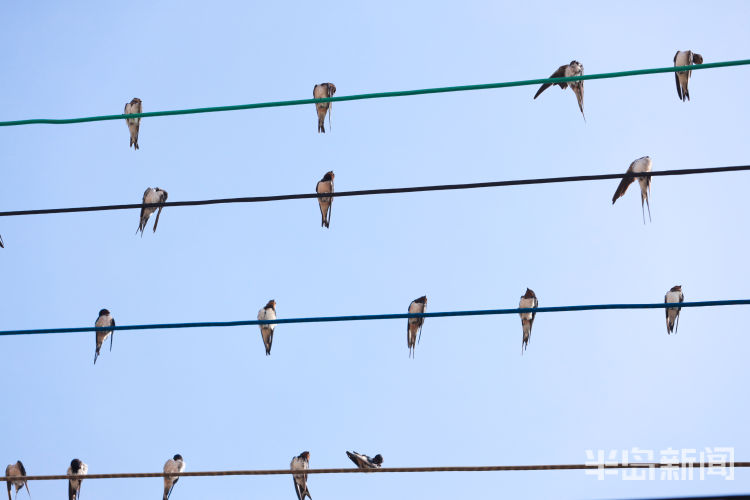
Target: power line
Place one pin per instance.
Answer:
(367, 192)
(371, 317)
(379, 95)
(351, 470)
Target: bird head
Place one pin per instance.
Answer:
(177, 457)
(377, 459)
(135, 101)
(331, 89)
(271, 305)
(305, 455)
(676, 288)
(75, 465)
(422, 299)
(697, 58)
(104, 312)
(529, 294)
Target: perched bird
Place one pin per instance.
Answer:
(104, 319)
(16, 470)
(414, 325)
(321, 91)
(77, 468)
(365, 462)
(685, 58)
(638, 166)
(151, 195)
(325, 185)
(301, 462)
(266, 331)
(528, 300)
(673, 296)
(573, 69)
(173, 465)
(134, 124)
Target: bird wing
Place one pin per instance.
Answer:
(162, 199)
(624, 183)
(560, 73)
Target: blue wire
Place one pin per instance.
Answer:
(331, 319)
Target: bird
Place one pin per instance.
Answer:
(134, 124)
(77, 468)
(173, 465)
(674, 295)
(266, 331)
(528, 300)
(325, 185)
(365, 462)
(685, 58)
(414, 325)
(302, 462)
(104, 319)
(16, 470)
(573, 69)
(320, 91)
(151, 195)
(640, 165)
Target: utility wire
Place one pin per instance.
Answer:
(351, 470)
(366, 192)
(370, 317)
(378, 95)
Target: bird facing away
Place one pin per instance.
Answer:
(134, 124)
(528, 300)
(151, 195)
(174, 464)
(673, 296)
(325, 185)
(638, 166)
(77, 468)
(321, 91)
(104, 319)
(301, 462)
(16, 470)
(573, 69)
(414, 325)
(365, 462)
(266, 331)
(685, 58)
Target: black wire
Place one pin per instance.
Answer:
(366, 192)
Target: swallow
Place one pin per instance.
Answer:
(151, 195)
(325, 185)
(638, 166)
(174, 464)
(685, 58)
(528, 300)
(301, 462)
(134, 124)
(104, 319)
(365, 462)
(414, 325)
(77, 468)
(674, 295)
(321, 91)
(573, 69)
(16, 470)
(266, 331)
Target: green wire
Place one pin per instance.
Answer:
(378, 95)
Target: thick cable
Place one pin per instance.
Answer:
(377, 95)
(371, 317)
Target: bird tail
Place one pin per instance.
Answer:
(542, 89)
(322, 120)
(167, 491)
(71, 491)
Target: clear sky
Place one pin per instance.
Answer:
(596, 380)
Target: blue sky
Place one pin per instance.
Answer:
(595, 380)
